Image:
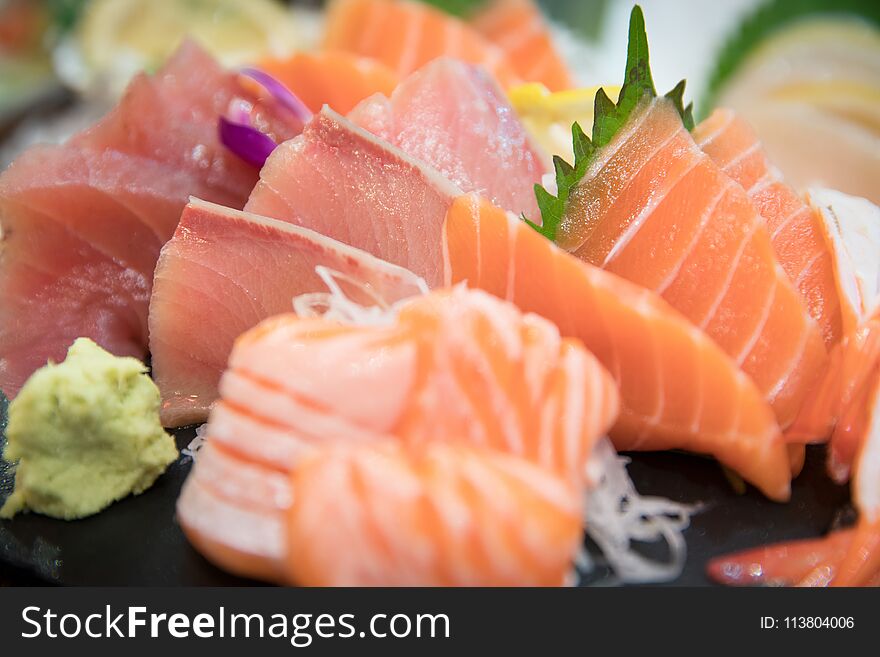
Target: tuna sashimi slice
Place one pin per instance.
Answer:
(453, 116)
(82, 224)
(348, 184)
(172, 117)
(81, 233)
(654, 209)
(795, 228)
(678, 389)
(222, 273)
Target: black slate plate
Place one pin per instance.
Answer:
(138, 542)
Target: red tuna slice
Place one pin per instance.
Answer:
(223, 272)
(348, 184)
(47, 302)
(453, 116)
(82, 224)
(78, 252)
(172, 117)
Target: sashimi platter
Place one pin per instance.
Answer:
(416, 301)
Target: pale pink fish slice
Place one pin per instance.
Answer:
(222, 273)
(81, 233)
(348, 184)
(82, 224)
(172, 117)
(453, 116)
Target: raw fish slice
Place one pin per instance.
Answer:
(46, 303)
(223, 272)
(406, 35)
(519, 29)
(780, 564)
(84, 192)
(331, 77)
(345, 183)
(240, 482)
(842, 558)
(172, 118)
(860, 565)
(835, 405)
(90, 211)
(852, 229)
(851, 226)
(453, 116)
(796, 232)
(233, 513)
(458, 365)
(437, 515)
(82, 223)
(678, 389)
(656, 210)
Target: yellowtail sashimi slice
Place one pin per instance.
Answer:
(223, 272)
(453, 116)
(347, 184)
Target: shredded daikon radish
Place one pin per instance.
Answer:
(335, 304)
(616, 515)
(196, 443)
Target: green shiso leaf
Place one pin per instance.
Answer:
(608, 118)
(768, 19)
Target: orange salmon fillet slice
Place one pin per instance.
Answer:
(519, 29)
(335, 78)
(678, 389)
(654, 209)
(404, 36)
(437, 515)
(795, 232)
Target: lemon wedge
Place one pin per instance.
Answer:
(548, 116)
(117, 38)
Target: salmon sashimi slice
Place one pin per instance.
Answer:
(852, 229)
(82, 223)
(206, 278)
(678, 389)
(406, 35)
(860, 566)
(835, 407)
(454, 117)
(348, 184)
(856, 377)
(654, 209)
(438, 515)
(783, 564)
(331, 77)
(455, 365)
(849, 557)
(795, 228)
(233, 512)
(519, 29)
(462, 384)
